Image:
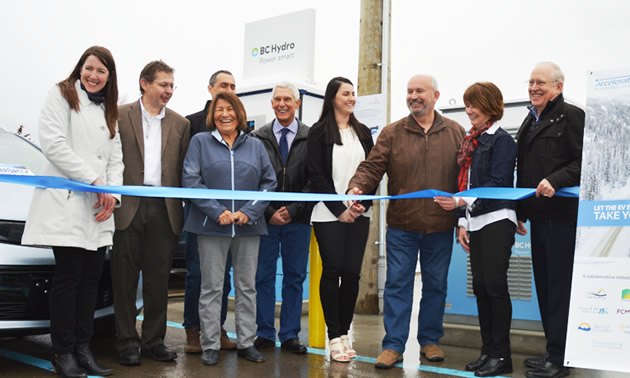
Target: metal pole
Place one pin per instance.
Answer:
(382, 265)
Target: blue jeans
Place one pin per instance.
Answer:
(435, 251)
(291, 241)
(193, 282)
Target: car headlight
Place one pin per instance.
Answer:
(11, 232)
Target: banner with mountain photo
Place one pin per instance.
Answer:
(598, 334)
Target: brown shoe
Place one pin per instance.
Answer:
(226, 342)
(432, 352)
(192, 341)
(387, 359)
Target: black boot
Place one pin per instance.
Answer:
(87, 362)
(67, 365)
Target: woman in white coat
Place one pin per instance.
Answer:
(79, 136)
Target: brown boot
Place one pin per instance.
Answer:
(226, 342)
(192, 341)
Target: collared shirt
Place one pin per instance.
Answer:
(480, 221)
(152, 132)
(532, 109)
(531, 130)
(277, 131)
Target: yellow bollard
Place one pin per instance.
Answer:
(316, 323)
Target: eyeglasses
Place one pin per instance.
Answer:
(538, 83)
(166, 85)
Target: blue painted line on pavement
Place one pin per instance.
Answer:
(26, 359)
(432, 369)
(370, 360)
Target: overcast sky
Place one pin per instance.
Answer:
(458, 41)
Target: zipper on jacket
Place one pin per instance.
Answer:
(232, 178)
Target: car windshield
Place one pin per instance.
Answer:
(16, 151)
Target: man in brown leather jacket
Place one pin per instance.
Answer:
(417, 152)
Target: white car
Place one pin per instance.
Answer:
(26, 272)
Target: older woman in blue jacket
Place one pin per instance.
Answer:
(226, 158)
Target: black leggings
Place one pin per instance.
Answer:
(341, 246)
(73, 296)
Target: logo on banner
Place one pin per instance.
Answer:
(623, 311)
(625, 294)
(599, 294)
(596, 328)
(613, 82)
(274, 52)
(584, 327)
(593, 310)
(275, 48)
(607, 344)
(599, 328)
(625, 328)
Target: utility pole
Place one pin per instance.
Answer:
(369, 82)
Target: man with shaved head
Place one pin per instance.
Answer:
(417, 152)
(550, 158)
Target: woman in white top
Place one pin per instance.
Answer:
(486, 226)
(336, 145)
(79, 136)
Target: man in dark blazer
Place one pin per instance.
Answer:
(154, 142)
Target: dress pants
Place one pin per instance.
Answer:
(553, 251)
(213, 251)
(73, 296)
(291, 242)
(147, 245)
(341, 246)
(490, 251)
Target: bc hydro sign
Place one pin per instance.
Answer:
(281, 47)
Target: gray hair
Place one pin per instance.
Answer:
(556, 72)
(213, 78)
(289, 86)
(433, 83)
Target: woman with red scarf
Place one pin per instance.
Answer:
(486, 227)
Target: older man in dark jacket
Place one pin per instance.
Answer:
(288, 224)
(550, 158)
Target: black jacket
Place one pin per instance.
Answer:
(492, 166)
(552, 151)
(293, 177)
(320, 167)
(198, 120)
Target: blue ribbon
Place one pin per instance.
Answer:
(54, 182)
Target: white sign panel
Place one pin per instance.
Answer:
(598, 335)
(281, 46)
(371, 110)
